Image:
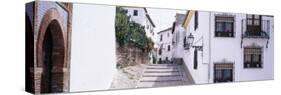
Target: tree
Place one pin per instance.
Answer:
(121, 25)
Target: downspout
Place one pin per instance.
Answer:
(209, 66)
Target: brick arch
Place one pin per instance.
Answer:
(51, 15)
(51, 52)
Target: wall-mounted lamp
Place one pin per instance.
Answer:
(188, 41)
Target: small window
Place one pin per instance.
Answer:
(135, 12)
(167, 58)
(168, 34)
(252, 58)
(224, 26)
(174, 26)
(161, 37)
(160, 51)
(195, 65)
(169, 48)
(196, 20)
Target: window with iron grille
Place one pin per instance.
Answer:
(254, 25)
(224, 26)
(223, 72)
(252, 57)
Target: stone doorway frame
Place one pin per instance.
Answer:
(50, 16)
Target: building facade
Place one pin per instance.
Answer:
(228, 47)
(164, 51)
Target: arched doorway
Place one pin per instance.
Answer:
(52, 58)
(29, 55)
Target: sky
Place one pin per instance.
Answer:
(163, 18)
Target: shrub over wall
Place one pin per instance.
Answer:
(132, 40)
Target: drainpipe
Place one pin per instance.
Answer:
(209, 65)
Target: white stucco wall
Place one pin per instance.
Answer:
(267, 71)
(140, 18)
(199, 75)
(93, 58)
(226, 49)
(229, 49)
(166, 40)
(178, 37)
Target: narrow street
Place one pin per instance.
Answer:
(159, 75)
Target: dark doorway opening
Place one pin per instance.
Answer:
(29, 56)
(53, 58)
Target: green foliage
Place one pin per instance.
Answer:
(131, 33)
(121, 26)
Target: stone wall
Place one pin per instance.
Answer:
(128, 56)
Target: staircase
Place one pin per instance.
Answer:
(159, 75)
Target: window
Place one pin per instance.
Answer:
(184, 42)
(252, 58)
(168, 34)
(160, 51)
(174, 26)
(167, 58)
(223, 72)
(161, 37)
(135, 12)
(195, 65)
(196, 20)
(168, 47)
(224, 26)
(254, 25)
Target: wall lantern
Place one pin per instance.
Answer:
(189, 41)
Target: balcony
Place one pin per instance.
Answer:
(259, 31)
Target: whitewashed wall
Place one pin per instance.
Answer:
(199, 75)
(93, 58)
(226, 49)
(178, 37)
(166, 40)
(267, 71)
(229, 49)
(140, 18)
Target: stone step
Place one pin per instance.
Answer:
(158, 67)
(162, 75)
(169, 69)
(160, 84)
(161, 79)
(174, 71)
(159, 74)
(163, 65)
